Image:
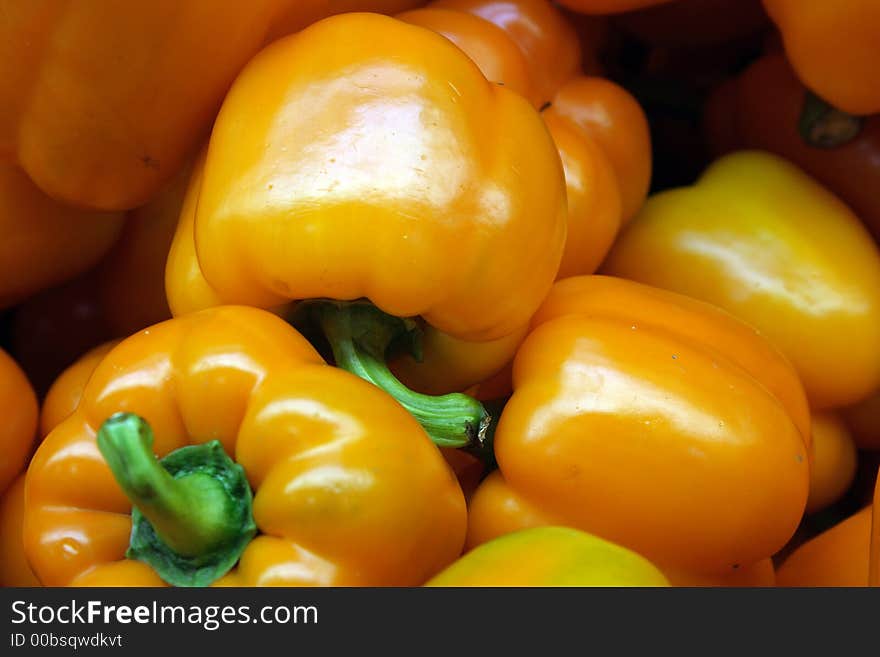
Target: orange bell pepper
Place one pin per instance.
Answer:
(45, 241)
(838, 556)
(399, 184)
(550, 556)
(242, 382)
(834, 463)
(102, 103)
(759, 574)
(547, 42)
(14, 568)
(834, 49)
(766, 242)
(654, 421)
(19, 429)
(599, 129)
(65, 393)
(60, 402)
(767, 107)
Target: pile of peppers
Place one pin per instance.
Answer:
(450, 293)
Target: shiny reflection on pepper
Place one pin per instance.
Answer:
(775, 272)
(417, 150)
(343, 428)
(596, 389)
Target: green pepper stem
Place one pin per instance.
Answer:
(190, 514)
(360, 334)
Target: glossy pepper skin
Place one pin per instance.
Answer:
(766, 242)
(14, 568)
(19, 404)
(45, 242)
(627, 421)
(833, 47)
(66, 391)
(834, 462)
(599, 129)
(60, 402)
(401, 132)
(550, 556)
(763, 109)
(308, 436)
(91, 94)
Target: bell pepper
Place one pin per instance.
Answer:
(497, 510)
(760, 574)
(398, 184)
(652, 420)
(834, 49)
(599, 129)
(763, 240)
(609, 6)
(348, 490)
(863, 420)
(768, 108)
(19, 404)
(550, 556)
(838, 556)
(14, 568)
(131, 277)
(545, 47)
(834, 462)
(102, 103)
(61, 401)
(65, 393)
(45, 242)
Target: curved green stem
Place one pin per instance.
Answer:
(360, 334)
(192, 514)
(824, 126)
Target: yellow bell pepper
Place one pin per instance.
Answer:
(652, 420)
(386, 169)
(550, 556)
(347, 489)
(766, 242)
